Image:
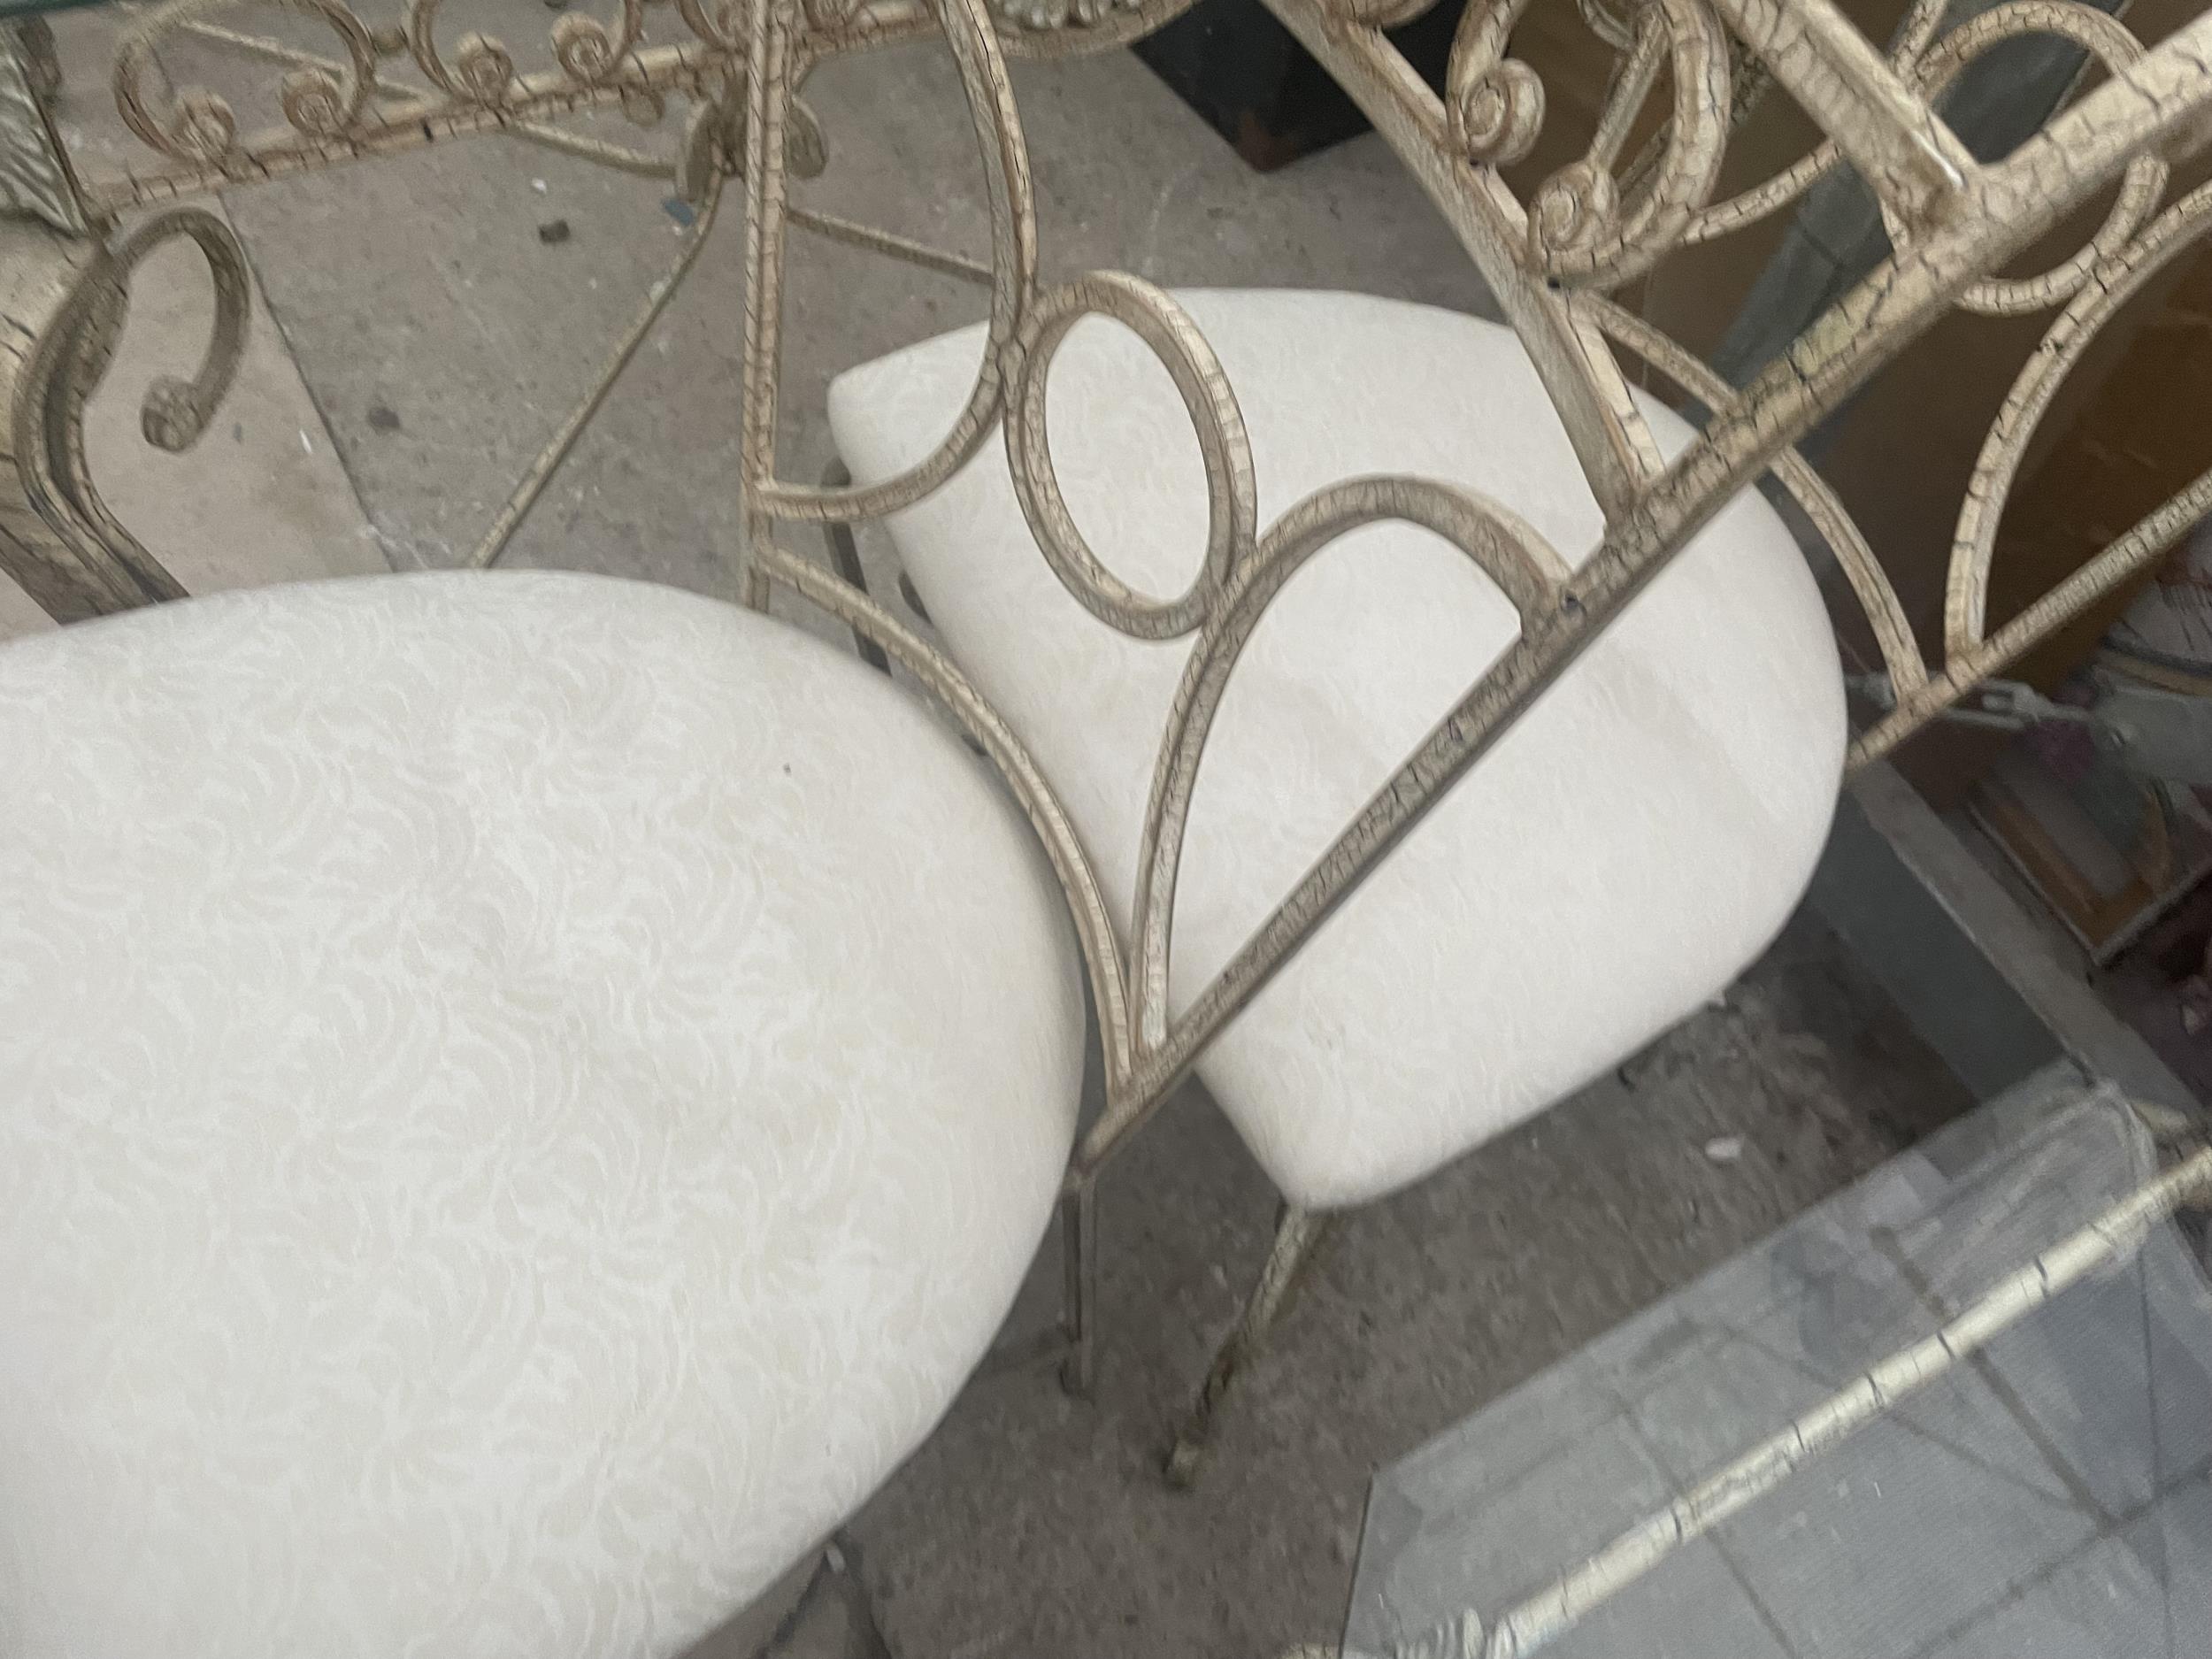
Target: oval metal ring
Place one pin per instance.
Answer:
(2097, 34)
(1232, 498)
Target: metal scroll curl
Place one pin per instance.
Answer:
(70, 550)
(196, 124)
(1582, 230)
(482, 70)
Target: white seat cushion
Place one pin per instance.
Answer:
(522, 1097)
(1612, 864)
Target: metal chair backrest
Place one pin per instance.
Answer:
(1552, 264)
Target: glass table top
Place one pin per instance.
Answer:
(2049, 1495)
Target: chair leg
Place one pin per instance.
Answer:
(1079, 1225)
(1297, 1233)
(1079, 1258)
(845, 560)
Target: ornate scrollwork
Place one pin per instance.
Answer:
(1583, 228)
(722, 26)
(1075, 28)
(1483, 103)
(482, 71)
(1870, 586)
(1581, 232)
(1497, 117)
(1617, 27)
(175, 412)
(198, 126)
(58, 537)
(1497, 542)
(2103, 36)
(1571, 210)
(2113, 282)
(1232, 499)
(588, 51)
(1045, 16)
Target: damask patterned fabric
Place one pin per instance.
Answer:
(522, 1097)
(1616, 860)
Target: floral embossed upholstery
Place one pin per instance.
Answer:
(1620, 855)
(522, 1098)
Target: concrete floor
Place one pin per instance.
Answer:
(437, 339)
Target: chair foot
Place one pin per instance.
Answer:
(1079, 1259)
(1076, 1375)
(1296, 1233)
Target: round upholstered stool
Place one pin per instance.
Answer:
(522, 1098)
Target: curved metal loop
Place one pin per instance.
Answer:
(974, 45)
(66, 368)
(2103, 36)
(1494, 106)
(482, 71)
(1770, 196)
(588, 52)
(1616, 27)
(1580, 233)
(1499, 544)
(1232, 498)
(722, 27)
(175, 412)
(2113, 283)
(1870, 585)
(198, 126)
(1915, 33)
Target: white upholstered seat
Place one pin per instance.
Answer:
(521, 1099)
(1621, 856)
